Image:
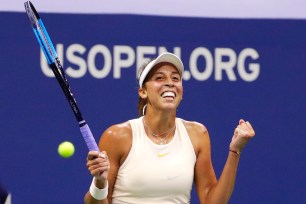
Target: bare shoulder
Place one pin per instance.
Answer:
(118, 131)
(198, 134)
(194, 127)
(117, 138)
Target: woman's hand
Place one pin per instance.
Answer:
(98, 165)
(242, 134)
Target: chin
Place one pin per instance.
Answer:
(171, 107)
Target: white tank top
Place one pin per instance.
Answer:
(156, 174)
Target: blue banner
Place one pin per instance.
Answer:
(235, 68)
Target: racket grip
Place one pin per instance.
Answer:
(89, 139)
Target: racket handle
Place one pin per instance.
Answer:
(89, 139)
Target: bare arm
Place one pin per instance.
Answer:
(211, 190)
(222, 191)
(95, 164)
(98, 166)
(116, 141)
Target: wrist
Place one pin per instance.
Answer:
(237, 152)
(100, 182)
(97, 193)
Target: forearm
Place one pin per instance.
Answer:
(97, 193)
(221, 192)
(90, 200)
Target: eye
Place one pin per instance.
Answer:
(159, 78)
(176, 78)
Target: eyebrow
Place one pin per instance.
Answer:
(160, 72)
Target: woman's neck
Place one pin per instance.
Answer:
(159, 123)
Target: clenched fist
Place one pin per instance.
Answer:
(242, 135)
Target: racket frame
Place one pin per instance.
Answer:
(54, 63)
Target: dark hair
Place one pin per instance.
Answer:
(142, 102)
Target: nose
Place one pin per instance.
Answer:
(169, 83)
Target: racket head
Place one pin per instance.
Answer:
(32, 13)
(41, 33)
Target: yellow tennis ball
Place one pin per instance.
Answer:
(66, 149)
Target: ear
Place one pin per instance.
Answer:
(142, 93)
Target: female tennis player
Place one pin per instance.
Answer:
(156, 157)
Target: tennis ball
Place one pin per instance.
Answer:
(66, 149)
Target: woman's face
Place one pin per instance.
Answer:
(163, 87)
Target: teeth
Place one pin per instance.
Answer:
(168, 94)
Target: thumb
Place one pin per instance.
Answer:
(241, 121)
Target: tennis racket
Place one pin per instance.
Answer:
(54, 63)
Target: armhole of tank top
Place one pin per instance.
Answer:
(181, 123)
(133, 126)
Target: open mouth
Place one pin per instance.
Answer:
(168, 94)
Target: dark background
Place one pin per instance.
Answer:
(35, 117)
